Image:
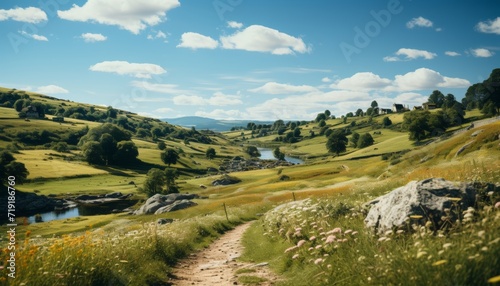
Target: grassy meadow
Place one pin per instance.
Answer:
(319, 240)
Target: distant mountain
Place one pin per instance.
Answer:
(202, 123)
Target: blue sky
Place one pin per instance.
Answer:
(242, 59)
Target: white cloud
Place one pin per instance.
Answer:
(410, 54)
(481, 53)
(197, 41)
(189, 100)
(424, 79)
(91, 38)
(257, 38)
(419, 22)
(51, 89)
(362, 81)
(29, 15)
(163, 110)
(281, 88)
(158, 87)
(490, 26)
(34, 36)
(326, 79)
(233, 24)
(218, 99)
(125, 68)
(131, 15)
(158, 35)
(452, 54)
(224, 114)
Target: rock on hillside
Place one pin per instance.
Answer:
(166, 203)
(429, 199)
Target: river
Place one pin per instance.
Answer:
(267, 154)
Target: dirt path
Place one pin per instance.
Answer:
(216, 265)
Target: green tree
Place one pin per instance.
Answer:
(108, 145)
(437, 97)
(296, 132)
(322, 123)
(171, 175)
(374, 104)
(365, 140)
(359, 112)
(156, 132)
(9, 167)
(354, 139)
(449, 101)
(320, 116)
(19, 104)
(170, 156)
(327, 113)
(252, 151)
(61, 147)
(210, 153)
(386, 121)
(417, 124)
(126, 152)
(161, 145)
(337, 142)
(278, 154)
(155, 180)
(92, 152)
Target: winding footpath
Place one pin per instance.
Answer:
(216, 265)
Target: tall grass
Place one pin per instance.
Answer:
(325, 243)
(142, 255)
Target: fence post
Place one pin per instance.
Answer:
(225, 210)
(293, 194)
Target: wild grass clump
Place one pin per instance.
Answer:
(326, 243)
(141, 255)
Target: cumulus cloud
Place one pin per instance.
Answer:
(281, 88)
(452, 54)
(410, 54)
(28, 15)
(51, 89)
(130, 15)
(490, 26)
(257, 38)
(139, 70)
(326, 79)
(481, 53)
(419, 22)
(362, 81)
(197, 41)
(423, 79)
(233, 24)
(91, 38)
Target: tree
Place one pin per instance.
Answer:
(278, 124)
(449, 101)
(359, 112)
(437, 97)
(354, 139)
(417, 124)
(320, 116)
(252, 151)
(156, 132)
(19, 104)
(9, 167)
(322, 123)
(170, 175)
(386, 121)
(92, 152)
(61, 147)
(126, 152)
(374, 104)
(210, 153)
(337, 142)
(278, 154)
(170, 156)
(161, 145)
(365, 140)
(296, 132)
(108, 145)
(327, 113)
(155, 180)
